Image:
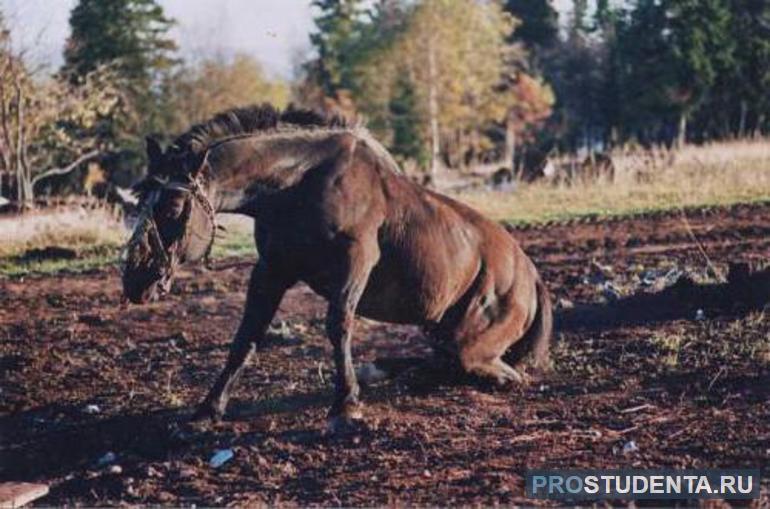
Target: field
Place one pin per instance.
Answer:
(688, 385)
(695, 176)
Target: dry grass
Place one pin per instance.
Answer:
(716, 174)
(73, 228)
(238, 238)
(93, 235)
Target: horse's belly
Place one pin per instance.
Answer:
(388, 301)
(414, 294)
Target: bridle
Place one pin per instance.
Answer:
(146, 217)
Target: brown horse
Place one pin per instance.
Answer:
(333, 210)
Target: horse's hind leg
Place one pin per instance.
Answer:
(262, 300)
(490, 325)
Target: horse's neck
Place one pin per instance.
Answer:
(247, 167)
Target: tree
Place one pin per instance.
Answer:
(674, 50)
(405, 122)
(531, 104)
(743, 86)
(130, 36)
(378, 90)
(539, 24)
(334, 42)
(50, 126)
(607, 22)
(353, 72)
(195, 93)
(576, 68)
(701, 45)
(439, 74)
(455, 54)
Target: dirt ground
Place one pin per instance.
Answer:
(83, 375)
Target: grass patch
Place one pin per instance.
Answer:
(99, 256)
(745, 340)
(79, 229)
(715, 175)
(93, 236)
(237, 239)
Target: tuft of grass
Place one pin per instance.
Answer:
(93, 234)
(669, 346)
(713, 175)
(87, 260)
(696, 346)
(79, 229)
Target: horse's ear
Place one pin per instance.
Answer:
(154, 151)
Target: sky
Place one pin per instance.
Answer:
(274, 31)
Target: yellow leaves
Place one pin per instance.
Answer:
(457, 50)
(54, 116)
(218, 84)
(532, 100)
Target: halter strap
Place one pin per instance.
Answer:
(196, 190)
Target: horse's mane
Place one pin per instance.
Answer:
(251, 119)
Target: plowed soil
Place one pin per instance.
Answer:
(83, 375)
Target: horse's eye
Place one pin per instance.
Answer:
(176, 209)
(172, 209)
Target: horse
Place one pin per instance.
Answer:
(333, 210)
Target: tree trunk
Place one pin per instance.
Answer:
(509, 154)
(21, 184)
(435, 148)
(742, 121)
(758, 126)
(681, 137)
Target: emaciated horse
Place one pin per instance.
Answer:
(333, 210)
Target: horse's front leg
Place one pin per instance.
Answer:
(264, 295)
(352, 276)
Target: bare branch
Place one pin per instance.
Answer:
(66, 169)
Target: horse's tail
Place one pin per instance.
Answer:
(537, 339)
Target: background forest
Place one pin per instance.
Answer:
(443, 83)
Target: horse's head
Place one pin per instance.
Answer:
(176, 223)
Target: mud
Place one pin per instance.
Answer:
(84, 375)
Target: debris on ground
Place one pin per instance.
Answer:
(108, 458)
(221, 457)
(92, 409)
(630, 447)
